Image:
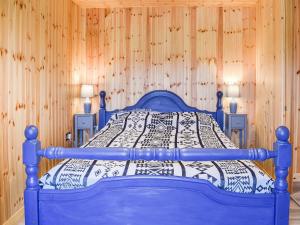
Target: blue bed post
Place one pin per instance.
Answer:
(219, 112)
(282, 163)
(31, 162)
(102, 110)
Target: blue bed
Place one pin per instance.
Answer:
(165, 197)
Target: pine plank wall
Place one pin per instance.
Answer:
(35, 71)
(128, 52)
(295, 80)
(277, 74)
(49, 48)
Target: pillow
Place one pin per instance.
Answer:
(203, 118)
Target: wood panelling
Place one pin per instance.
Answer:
(240, 65)
(273, 77)
(78, 66)
(161, 3)
(295, 97)
(35, 66)
(269, 80)
(278, 80)
(183, 49)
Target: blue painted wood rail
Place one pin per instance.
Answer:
(159, 154)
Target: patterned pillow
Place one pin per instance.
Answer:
(120, 116)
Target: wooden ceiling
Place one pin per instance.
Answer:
(160, 3)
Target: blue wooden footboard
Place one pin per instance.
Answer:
(156, 200)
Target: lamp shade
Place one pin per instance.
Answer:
(87, 91)
(233, 91)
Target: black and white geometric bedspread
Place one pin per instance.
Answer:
(142, 129)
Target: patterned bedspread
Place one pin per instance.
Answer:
(142, 129)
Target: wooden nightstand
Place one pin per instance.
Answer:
(85, 121)
(237, 122)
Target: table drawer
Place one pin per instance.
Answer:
(238, 122)
(84, 122)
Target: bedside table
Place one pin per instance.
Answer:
(84, 121)
(237, 122)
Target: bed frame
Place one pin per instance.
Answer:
(149, 200)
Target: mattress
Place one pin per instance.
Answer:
(142, 129)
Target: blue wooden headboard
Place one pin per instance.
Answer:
(161, 101)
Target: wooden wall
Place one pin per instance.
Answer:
(35, 65)
(269, 77)
(277, 81)
(78, 66)
(295, 97)
(161, 3)
(192, 51)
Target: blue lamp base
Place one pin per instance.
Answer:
(87, 107)
(233, 107)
